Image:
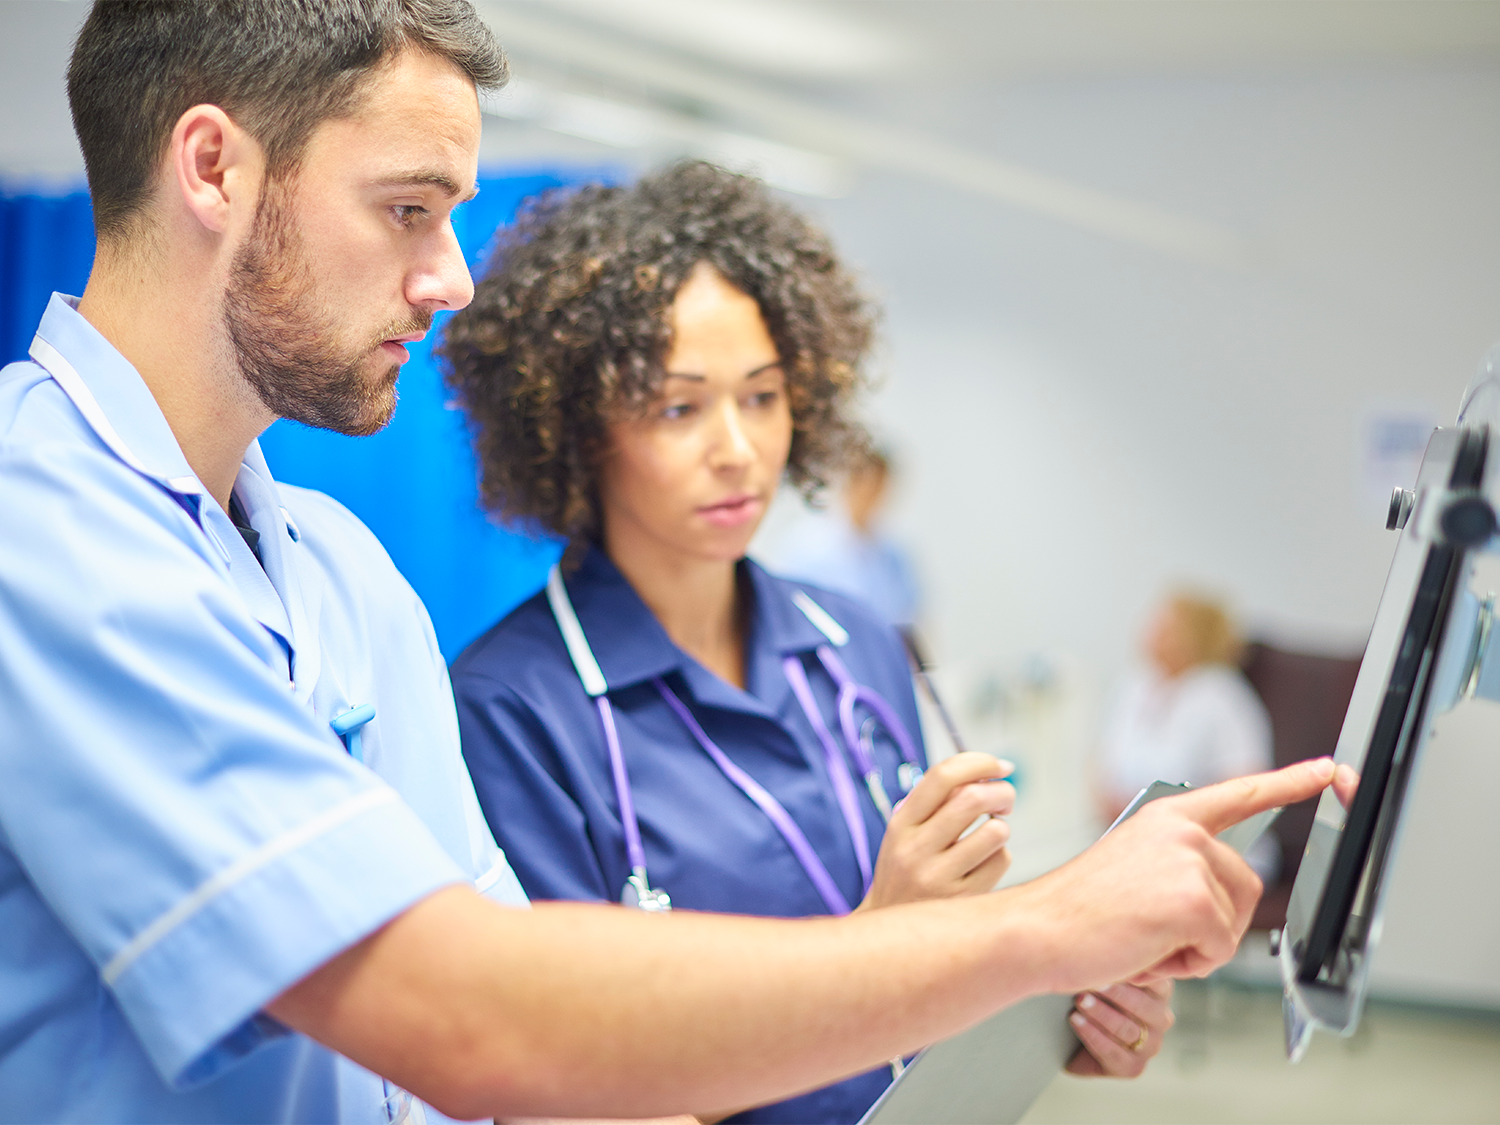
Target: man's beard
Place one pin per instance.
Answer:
(290, 357)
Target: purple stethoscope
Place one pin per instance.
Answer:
(858, 751)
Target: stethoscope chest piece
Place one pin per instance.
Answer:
(639, 895)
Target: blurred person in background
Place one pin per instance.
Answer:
(1188, 715)
(643, 367)
(847, 550)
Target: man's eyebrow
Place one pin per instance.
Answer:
(443, 182)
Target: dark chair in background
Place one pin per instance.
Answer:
(1306, 696)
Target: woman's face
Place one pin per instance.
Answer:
(1169, 642)
(695, 474)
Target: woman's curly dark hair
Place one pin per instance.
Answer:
(569, 327)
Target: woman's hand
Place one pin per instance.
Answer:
(923, 857)
(1121, 1028)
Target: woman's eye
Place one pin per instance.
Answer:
(677, 410)
(765, 398)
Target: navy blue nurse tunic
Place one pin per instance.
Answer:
(533, 743)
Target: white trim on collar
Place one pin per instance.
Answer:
(573, 635)
(821, 619)
(66, 376)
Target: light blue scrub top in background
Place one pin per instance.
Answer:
(182, 836)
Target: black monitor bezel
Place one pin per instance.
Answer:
(1356, 874)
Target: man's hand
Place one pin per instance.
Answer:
(923, 857)
(1121, 1028)
(1345, 784)
(1159, 897)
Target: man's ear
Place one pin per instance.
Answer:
(215, 166)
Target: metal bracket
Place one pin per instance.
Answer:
(1400, 510)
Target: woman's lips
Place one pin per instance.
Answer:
(734, 512)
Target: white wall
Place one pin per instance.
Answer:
(37, 142)
(1084, 422)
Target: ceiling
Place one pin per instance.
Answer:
(807, 93)
(840, 41)
(811, 94)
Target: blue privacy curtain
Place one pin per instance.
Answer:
(413, 483)
(46, 245)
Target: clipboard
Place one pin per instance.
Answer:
(992, 1073)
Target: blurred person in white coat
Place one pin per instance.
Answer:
(1188, 715)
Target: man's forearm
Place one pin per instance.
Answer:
(578, 1010)
(593, 1010)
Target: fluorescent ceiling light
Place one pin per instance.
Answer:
(658, 133)
(854, 141)
(770, 35)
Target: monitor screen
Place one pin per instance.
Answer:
(1425, 656)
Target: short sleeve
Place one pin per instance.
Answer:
(394, 656)
(201, 836)
(520, 777)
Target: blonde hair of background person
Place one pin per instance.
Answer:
(1192, 629)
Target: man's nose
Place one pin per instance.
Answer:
(442, 280)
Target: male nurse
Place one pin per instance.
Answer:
(242, 877)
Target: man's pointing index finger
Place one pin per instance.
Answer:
(1217, 807)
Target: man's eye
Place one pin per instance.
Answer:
(408, 213)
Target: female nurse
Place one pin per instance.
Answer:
(667, 724)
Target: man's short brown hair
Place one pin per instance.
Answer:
(278, 67)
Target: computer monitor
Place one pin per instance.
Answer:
(1426, 656)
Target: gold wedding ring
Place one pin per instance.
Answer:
(1141, 1042)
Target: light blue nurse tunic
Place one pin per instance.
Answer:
(182, 836)
(535, 748)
